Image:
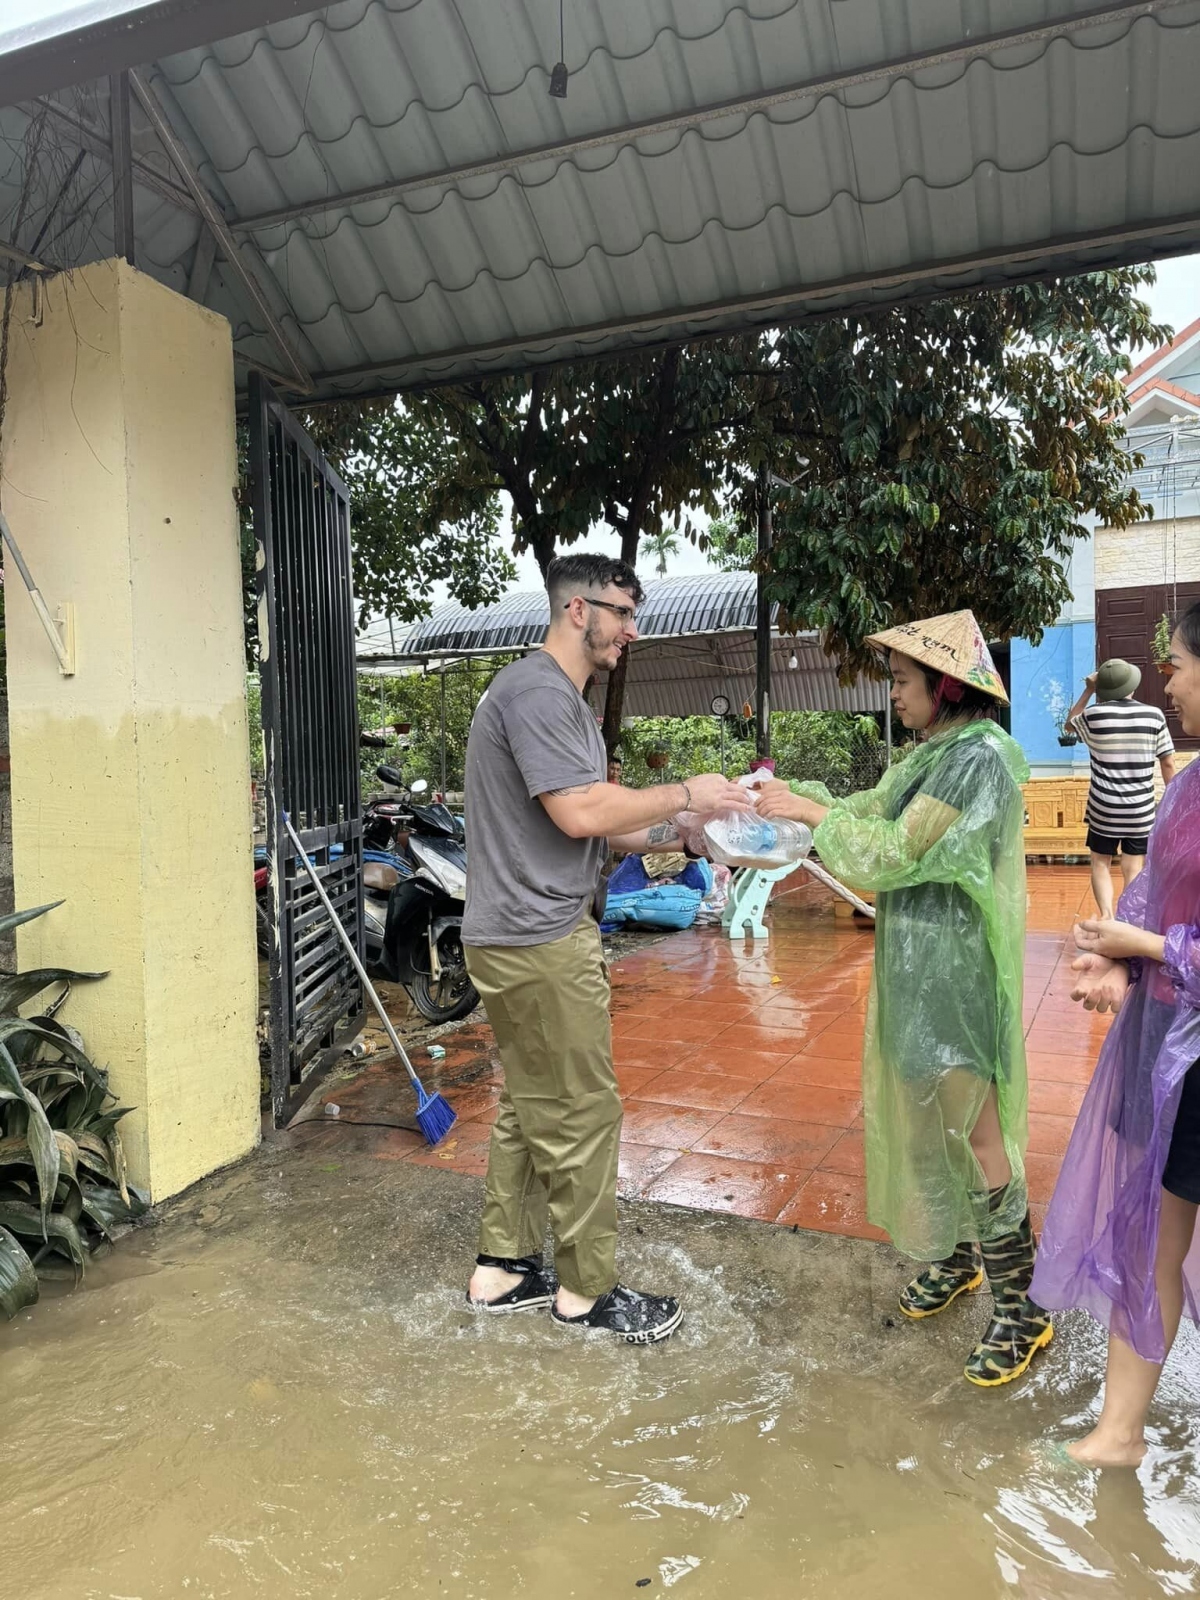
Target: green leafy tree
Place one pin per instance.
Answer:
(944, 456)
(418, 517)
(731, 544)
(637, 443)
(941, 455)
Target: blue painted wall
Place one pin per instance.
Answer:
(1046, 681)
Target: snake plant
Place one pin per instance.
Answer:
(63, 1188)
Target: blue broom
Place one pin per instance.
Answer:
(435, 1115)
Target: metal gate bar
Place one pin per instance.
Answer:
(310, 729)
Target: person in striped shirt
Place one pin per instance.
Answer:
(1124, 739)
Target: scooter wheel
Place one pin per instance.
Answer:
(427, 997)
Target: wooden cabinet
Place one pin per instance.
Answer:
(1054, 809)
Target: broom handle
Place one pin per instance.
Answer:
(351, 951)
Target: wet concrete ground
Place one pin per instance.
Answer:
(740, 1066)
(276, 1391)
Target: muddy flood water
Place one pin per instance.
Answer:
(277, 1392)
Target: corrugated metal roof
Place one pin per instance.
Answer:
(696, 641)
(717, 164)
(706, 602)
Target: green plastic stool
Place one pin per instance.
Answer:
(748, 895)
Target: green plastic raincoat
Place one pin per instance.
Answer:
(940, 842)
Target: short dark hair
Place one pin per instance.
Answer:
(1188, 628)
(572, 575)
(974, 703)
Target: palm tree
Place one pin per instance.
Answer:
(660, 545)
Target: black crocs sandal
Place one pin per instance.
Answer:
(534, 1292)
(635, 1317)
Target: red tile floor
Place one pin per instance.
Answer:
(739, 1065)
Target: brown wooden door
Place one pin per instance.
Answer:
(1125, 623)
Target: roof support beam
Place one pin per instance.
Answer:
(121, 141)
(1122, 11)
(96, 143)
(202, 265)
(227, 244)
(1171, 236)
(9, 252)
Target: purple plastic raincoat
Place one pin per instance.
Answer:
(1101, 1235)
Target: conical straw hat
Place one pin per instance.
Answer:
(951, 644)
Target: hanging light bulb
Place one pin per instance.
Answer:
(793, 663)
(558, 77)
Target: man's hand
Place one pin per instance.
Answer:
(711, 792)
(607, 811)
(1091, 681)
(1100, 984)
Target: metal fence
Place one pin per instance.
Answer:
(310, 733)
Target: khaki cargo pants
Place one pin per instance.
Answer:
(558, 1127)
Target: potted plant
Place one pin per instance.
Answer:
(64, 1190)
(1058, 707)
(658, 757)
(1160, 646)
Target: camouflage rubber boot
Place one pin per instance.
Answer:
(941, 1282)
(1019, 1329)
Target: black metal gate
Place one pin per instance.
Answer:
(310, 730)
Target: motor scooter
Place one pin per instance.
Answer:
(415, 896)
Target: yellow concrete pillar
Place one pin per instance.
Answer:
(131, 781)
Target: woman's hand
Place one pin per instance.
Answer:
(775, 799)
(1119, 941)
(1100, 984)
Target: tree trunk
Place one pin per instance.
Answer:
(543, 546)
(614, 699)
(631, 529)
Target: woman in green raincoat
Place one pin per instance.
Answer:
(944, 1086)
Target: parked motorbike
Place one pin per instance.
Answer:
(415, 894)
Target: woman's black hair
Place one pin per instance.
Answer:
(1188, 628)
(974, 702)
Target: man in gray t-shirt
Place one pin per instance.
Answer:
(533, 733)
(540, 820)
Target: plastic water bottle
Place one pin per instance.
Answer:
(758, 837)
(743, 839)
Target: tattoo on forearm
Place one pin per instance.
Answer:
(662, 833)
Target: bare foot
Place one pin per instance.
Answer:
(569, 1304)
(1105, 1449)
(489, 1283)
